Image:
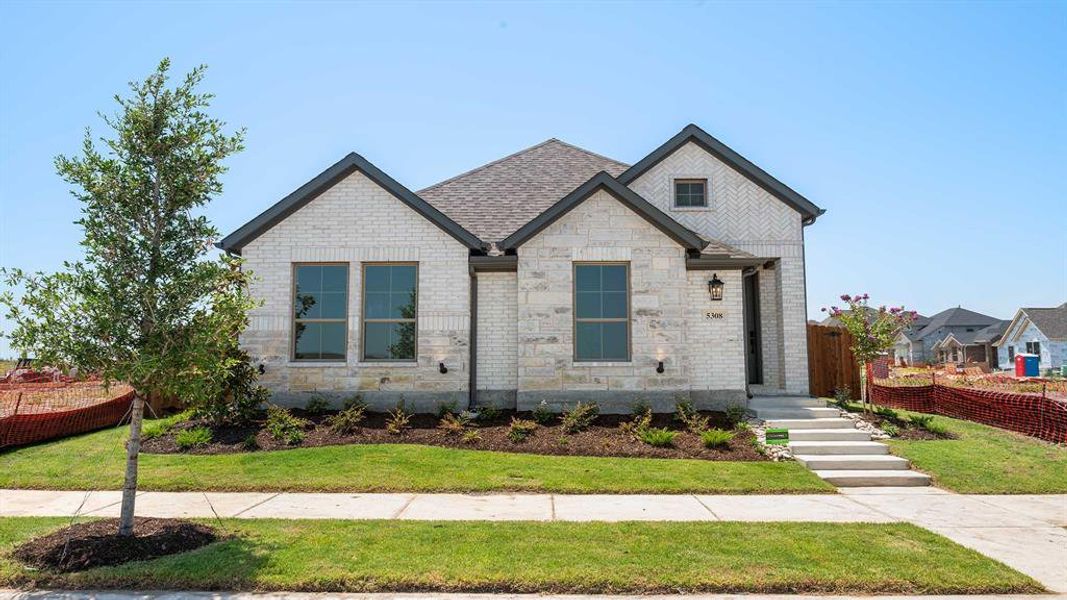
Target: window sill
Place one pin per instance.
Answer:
(691, 208)
(601, 363)
(389, 364)
(300, 364)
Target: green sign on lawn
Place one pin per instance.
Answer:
(777, 436)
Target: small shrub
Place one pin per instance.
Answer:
(446, 408)
(716, 438)
(735, 413)
(520, 429)
(693, 420)
(580, 417)
(921, 421)
(842, 396)
(890, 429)
(543, 415)
(285, 427)
(742, 426)
(887, 413)
(451, 424)
(399, 419)
(660, 437)
(639, 423)
(241, 399)
(937, 428)
(317, 405)
(348, 420)
(193, 438)
(640, 407)
(155, 428)
(250, 443)
(354, 401)
(471, 437)
(488, 413)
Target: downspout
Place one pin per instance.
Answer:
(473, 369)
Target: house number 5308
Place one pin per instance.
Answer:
(714, 315)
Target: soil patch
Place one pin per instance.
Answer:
(97, 544)
(906, 430)
(603, 438)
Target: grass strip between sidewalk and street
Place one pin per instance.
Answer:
(95, 461)
(478, 556)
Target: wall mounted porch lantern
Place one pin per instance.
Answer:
(442, 368)
(659, 367)
(715, 286)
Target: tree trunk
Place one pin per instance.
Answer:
(863, 389)
(133, 448)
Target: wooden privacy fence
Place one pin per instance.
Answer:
(830, 361)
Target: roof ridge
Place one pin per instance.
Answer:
(513, 155)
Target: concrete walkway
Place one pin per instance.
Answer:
(1028, 533)
(119, 595)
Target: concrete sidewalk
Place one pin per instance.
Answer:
(1025, 532)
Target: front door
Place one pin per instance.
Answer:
(753, 343)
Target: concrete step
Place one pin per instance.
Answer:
(791, 424)
(829, 435)
(768, 414)
(874, 478)
(871, 462)
(785, 402)
(839, 448)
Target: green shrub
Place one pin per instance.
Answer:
(193, 438)
(921, 421)
(640, 407)
(317, 405)
(488, 413)
(250, 443)
(639, 423)
(543, 415)
(891, 429)
(842, 396)
(580, 417)
(690, 417)
(155, 428)
(242, 397)
(348, 420)
(937, 428)
(683, 410)
(735, 413)
(659, 437)
(452, 424)
(354, 401)
(284, 426)
(716, 438)
(887, 413)
(471, 437)
(399, 419)
(520, 429)
(446, 408)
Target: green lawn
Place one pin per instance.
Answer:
(95, 461)
(988, 460)
(367, 556)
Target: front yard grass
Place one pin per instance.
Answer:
(378, 556)
(95, 461)
(987, 460)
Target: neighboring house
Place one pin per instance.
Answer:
(553, 274)
(920, 345)
(971, 346)
(1040, 331)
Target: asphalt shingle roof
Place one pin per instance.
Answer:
(494, 200)
(992, 333)
(956, 317)
(1051, 321)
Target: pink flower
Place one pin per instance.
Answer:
(845, 298)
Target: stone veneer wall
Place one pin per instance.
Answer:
(744, 215)
(357, 221)
(497, 372)
(667, 303)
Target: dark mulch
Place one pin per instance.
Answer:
(97, 544)
(603, 438)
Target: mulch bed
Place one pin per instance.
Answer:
(603, 438)
(906, 430)
(97, 544)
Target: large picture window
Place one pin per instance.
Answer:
(601, 312)
(320, 311)
(390, 307)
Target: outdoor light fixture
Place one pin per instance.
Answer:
(442, 368)
(715, 286)
(659, 367)
(262, 368)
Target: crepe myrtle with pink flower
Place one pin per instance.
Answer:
(873, 331)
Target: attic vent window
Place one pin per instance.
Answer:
(690, 193)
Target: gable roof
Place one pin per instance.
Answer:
(692, 133)
(604, 181)
(955, 317)
(496, 199)
(1052, 322)
(992, 333)
(327, 179)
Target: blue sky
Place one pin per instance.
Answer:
(933, 134)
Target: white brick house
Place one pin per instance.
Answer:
(552, 274)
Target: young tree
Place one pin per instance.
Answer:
(147, 305)
(873, 331)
